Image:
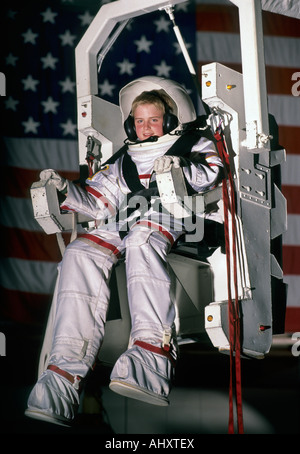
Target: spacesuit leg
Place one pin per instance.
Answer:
(146, 369)
(82, 301)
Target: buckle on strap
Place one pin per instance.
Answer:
(73, 379)
(154, 349)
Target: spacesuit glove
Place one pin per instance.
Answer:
(54, 178)
(165, 163)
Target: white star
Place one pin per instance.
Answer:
(68, 127)
(85, 18)
(163, 69)
(143, 44)
(29, 36)
(126, 67)
(162, 24)
(11, 14)
(30, 125)
(178, 48)
(67, 38)
(30, 83)
(182, 7)
(50, 105)
(11, 59)
(49, 61)
(11, 103)
(106, 88)
(67, 85)
(49, 16)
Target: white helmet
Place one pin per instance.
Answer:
(184, 108)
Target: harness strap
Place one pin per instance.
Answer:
(164, 351)
(97, 240)
(181, 147)
(73, 379)
(233, 307)
(155, 226)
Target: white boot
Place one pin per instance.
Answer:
(55, 397)
(144, 372)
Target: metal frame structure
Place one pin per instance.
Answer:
(259, 198)
(238, 103)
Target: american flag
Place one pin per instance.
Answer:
(38, 118)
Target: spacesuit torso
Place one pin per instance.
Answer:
(109, 192)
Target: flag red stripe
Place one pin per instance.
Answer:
(223, 18)
(292, 319)
(28, 245)
(291, 260)
(280, 25)
(279, 80)
(217, 18)
(292, 195)
(289, 138)
(16, 181)
(24, 307)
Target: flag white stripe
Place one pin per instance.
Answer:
(18, 213)
(286, 109)
(293, 298)
(225, 47)
(292, 236)
(31, 153)
(282, 51)
(290, 170)
(221, 47)
(28, 275)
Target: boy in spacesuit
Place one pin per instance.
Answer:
(154, 112)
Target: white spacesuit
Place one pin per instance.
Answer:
(124, 193)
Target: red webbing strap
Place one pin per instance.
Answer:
(97, 240)
(74, 380)
(160, 350)
(233, 307)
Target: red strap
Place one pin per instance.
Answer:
(102, 243)
(101, 197)
(89, 161)
(233, 307)
(160, 350)
(73, 379)
(158, 227)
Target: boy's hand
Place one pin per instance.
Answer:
(165, 163)
(59, 182)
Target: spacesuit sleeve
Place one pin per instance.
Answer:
(99, 200)
(205, 169)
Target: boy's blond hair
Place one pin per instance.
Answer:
(159, 99)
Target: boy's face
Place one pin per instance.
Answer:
(148, 121)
